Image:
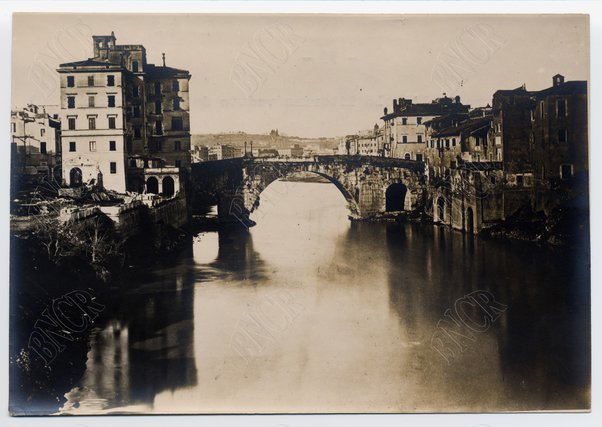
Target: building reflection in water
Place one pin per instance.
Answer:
(144, 347)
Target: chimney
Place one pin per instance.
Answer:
(557, 80)
(386, 110)
(457, 99)
(163, 55)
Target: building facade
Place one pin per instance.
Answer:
(126, 120)
(404, 128)
(35, 144)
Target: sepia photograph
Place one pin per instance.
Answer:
(299, 214)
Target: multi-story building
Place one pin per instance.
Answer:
(35, 144)
(200, 153)
(223, 151)
(127, 121)
(404, 129)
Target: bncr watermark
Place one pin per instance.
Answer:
(61, 322)
(263, 322)
(270, 48)
(460, 59)
(474, 313)
(67, 44)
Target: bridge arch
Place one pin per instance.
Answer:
(395, 197)
(258, 188)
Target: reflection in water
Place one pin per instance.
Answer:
(307, 312)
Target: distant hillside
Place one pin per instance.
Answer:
(260, 140)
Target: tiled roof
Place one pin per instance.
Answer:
(164, 72)
(468, 126)
(91, 62)
(575, 87)
(433, 109)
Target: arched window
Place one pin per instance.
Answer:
(408, 156)
(168, 186)
(75, 177)
(152, 185)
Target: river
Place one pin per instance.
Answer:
(309, 312)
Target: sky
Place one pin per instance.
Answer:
(312, 75)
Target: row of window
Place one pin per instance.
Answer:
(91, 81)
(91, 101)
(404, 139)
(404, 121)
(91, 146)
(111, 103)
(111, 121)
(440, 143)
(177, 146)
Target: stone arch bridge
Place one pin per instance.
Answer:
(372, 186)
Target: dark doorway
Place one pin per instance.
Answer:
(396, 196)
(168, 186)
(469, 221)
(152, 185)
(75, 177)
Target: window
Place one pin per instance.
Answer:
(137, 132)
(418, 120)
(178, 163)
(566, 171)
(112, 122)
(447, 143)
(419, 139)
(176, 123)
(71, 102)
(407, 156)
(70, 81)
(111, 100)
(404, 139)
(478, 141)
(404, 121)
(71, 123)
(92, 146)
(519, 180)
(158, 127)
(541, 112)
(14, 126)
(42, 147)
(110, 80)
(42, 132)
(90, 80)
(91, 122)
(453, 142)
(418, 157)
(176, 104)
(561, 135)
(157, 88)
(112, 146)
(157, 107)
(72, 146)
(175, 85)
(177, 146)
(113, 166)
(135, 66)
(90, 101)
(561, 108)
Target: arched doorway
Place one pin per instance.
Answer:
(395, 197)
(168, 186)
(469, 221)
(152, 185)
(75, 177)
(441, 209)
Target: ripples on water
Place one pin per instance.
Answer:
(308, 312)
